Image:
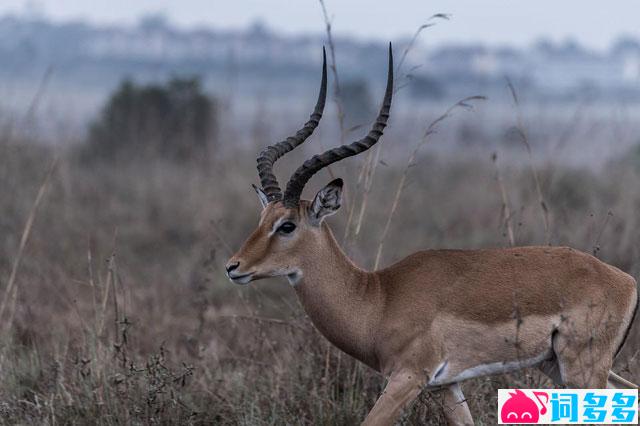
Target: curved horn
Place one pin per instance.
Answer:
(273, 152)
(314, 164)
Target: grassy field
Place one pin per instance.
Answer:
(115, 308)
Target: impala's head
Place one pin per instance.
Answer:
(289, 226)
(283, 236)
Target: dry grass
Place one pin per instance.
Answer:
(123, 314)
(118, 311)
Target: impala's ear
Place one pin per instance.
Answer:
(264, 200)
(326, 202)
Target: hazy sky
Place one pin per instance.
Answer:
(593, 22)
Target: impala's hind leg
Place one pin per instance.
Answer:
(617, 382)
(583, 363)
(552, 370)
(456, 410)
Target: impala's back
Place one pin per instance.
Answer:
(488, 311)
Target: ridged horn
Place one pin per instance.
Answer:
(302, 175)
(272, 153)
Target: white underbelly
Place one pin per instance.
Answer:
(445, 377)
(472, 349)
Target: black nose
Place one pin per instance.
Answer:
(232, 266)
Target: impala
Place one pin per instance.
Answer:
(437, 317)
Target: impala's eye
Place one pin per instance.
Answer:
(287, 228)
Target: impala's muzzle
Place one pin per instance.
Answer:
(235, 275)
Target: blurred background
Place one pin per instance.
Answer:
(128, 137)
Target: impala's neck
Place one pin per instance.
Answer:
(342, 300)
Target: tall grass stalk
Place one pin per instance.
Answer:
(522, 132)
(429, 23)
(466, 104)
(11, 289)
(505, 212)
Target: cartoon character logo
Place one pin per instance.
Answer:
(519, 408)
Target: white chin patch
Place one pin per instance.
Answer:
(294, 277)
(242, 280)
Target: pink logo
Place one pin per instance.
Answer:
(519, 408)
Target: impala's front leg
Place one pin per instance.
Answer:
(402, 388)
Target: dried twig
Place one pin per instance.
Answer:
(412, 42)
(337, 95)
(11, 290)
(37, 97)
(218, 234)
(363, 186)
(337, 98)
(596, 245)
(465, 103)
(520, 129)
(93, 287)
(108, 282)
(368, 183)
(506, 208)
(260, 319)
(563, 137)
(368, 168)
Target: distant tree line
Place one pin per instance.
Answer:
(176, 121)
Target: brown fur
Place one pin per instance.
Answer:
(440, 316)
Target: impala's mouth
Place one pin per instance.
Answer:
(240, 278)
